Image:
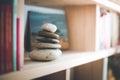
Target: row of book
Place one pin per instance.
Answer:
(107, 30)
(9, 37)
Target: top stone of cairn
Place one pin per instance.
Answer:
(49, 27)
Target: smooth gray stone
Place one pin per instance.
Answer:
(48, 40)
(47, 54)
(49, 27)
(48, 34)
(42, 45)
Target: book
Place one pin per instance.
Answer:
(27, 41)
(104, 30)
(2, 64)
(115, 29)
(18, 43)
(20, 14)
(0, 37)
(8, 37)
(108, 29)
(14, 21)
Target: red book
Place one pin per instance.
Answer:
(5, 36)
(2, 40)
(8, 37)
(10, 40)
(18, 43)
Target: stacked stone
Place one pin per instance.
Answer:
(48, 47)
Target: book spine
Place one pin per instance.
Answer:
(18, 43)
(5, 36)
(10, 42)
(104, 30)
(2, 40)
(14, 35)
(27, 35)
(7, 52)
(8, 38)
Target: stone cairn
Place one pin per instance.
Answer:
(47, 44)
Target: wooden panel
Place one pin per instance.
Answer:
(83, 72)
(97, 70)
(55, 76)
(90, 71)
(82, 25)
(82, 34)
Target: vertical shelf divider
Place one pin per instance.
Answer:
(68, 74)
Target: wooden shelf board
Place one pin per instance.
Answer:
(33, 69)
(56, 3)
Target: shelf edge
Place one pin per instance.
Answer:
(62, 64)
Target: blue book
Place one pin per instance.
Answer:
(14, 34)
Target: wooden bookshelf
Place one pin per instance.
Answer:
(69, 59)
(82, 19)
